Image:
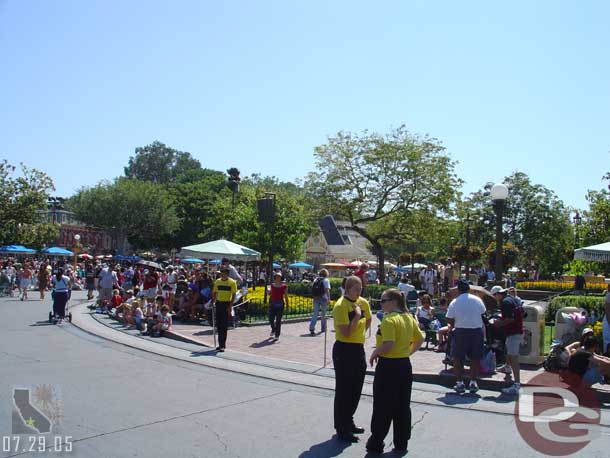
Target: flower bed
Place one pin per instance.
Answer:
(558, 286)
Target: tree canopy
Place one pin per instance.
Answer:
(22, 196)
(535, 221)
(161, 164)
(371, 179)
(140, 211)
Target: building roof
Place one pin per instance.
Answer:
(330, 231)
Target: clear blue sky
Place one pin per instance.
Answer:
(505, 86)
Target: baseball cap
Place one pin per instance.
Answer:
(225, 260)
(278, 274)
(497, 290)
(587, 331)
(463, 286)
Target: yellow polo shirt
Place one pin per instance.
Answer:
(341, 315)
(403, 330)
(224, 289)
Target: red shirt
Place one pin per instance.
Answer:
(151, 280)
(116, 301)
(361, 274)
(277, 292)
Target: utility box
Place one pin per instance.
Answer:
(531, 350)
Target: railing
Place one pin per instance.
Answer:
(257, 310)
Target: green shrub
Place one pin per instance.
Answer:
(589, 303)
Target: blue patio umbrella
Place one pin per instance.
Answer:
(16, 249)
(215, 262)
(192, 260)
(56, 251)
(276, 265)
(300, 264)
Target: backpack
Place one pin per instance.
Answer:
(317, 287)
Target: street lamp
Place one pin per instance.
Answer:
(76, 248)
(468, 221)
(499, 193)
(577, 220)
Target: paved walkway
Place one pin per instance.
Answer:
(296, 345)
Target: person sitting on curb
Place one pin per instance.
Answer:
(588, 365)
(578, 345)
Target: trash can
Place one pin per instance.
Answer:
(566, 331)
(531, 350)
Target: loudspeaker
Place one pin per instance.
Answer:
(265, 210)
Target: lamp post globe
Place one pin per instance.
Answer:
(499, 193)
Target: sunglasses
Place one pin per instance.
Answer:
(385, 300)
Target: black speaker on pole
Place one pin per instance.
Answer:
(265, 210)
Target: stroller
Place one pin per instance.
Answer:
(54, 319)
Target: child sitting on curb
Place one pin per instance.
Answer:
(165, 321)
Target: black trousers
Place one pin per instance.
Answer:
(276, 311)
(392, 401)
(59, 303)
(350, 369)
(222, 322)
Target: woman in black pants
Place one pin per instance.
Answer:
(61, 293)
(399, 338)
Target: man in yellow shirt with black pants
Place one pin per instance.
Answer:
(223, 294)
(351, 317)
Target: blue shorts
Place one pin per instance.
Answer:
(468, 343)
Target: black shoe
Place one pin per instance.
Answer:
(312, 333)
(348, 437)
(217, 348)
(357, 429)
(221, 349)
(374, 448)
(400, 450)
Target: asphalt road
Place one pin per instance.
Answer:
(123, 402)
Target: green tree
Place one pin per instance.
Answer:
(21, 199)
(292, 225)
(140, 211)
(194, 202)
(370, 179)
(595, 226)
(161, 164)
(535, 221)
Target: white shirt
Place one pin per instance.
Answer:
(466, 310)
(405, 287)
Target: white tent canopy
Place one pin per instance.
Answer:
(220, 249)
(597, 253)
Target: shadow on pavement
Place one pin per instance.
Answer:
(329, 448)
(453, 399)
(263, 343)
(211, 352)
(42, 323)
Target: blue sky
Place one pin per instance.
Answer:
(258, 84)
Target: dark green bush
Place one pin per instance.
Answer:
(589, 303)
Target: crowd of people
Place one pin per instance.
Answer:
(149, 299)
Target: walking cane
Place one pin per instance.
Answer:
(214, 322)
